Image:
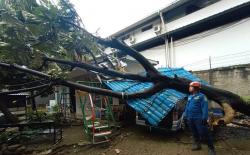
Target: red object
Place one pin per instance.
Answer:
(195, 84)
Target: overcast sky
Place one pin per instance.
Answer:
(110, 16)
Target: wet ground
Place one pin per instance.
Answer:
(136, 140)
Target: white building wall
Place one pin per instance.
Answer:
(142, 36)
(230, 39)
(133, 66)
(206, 12)
(157, 54)
(194, 51)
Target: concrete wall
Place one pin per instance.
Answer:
(234, 78)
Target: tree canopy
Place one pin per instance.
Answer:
(32, 29)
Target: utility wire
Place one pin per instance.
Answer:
(209, 33)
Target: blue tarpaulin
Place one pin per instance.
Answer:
(157, 106)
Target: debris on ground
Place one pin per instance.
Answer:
(229, 138)
(241, 122)
(13, 149)
(46, 152)
(83, 143)
(117, 151)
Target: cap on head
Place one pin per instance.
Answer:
(195, 84)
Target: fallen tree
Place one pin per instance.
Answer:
(160, 82)
(42, 51)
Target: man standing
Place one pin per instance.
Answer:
(196, 114)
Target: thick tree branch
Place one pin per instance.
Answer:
(218, 95)
(163, 82)
(114, 43)
(122, 95)
(100, 70)
(142, 94)
(26, 70)
(25, 89)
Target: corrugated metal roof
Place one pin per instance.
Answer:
(157, 106)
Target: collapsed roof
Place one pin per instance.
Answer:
(156, 107)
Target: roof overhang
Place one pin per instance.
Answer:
(148, 19)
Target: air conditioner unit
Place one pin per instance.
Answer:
(132, 39)
(157, 28)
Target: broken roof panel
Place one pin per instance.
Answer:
(157, 106)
